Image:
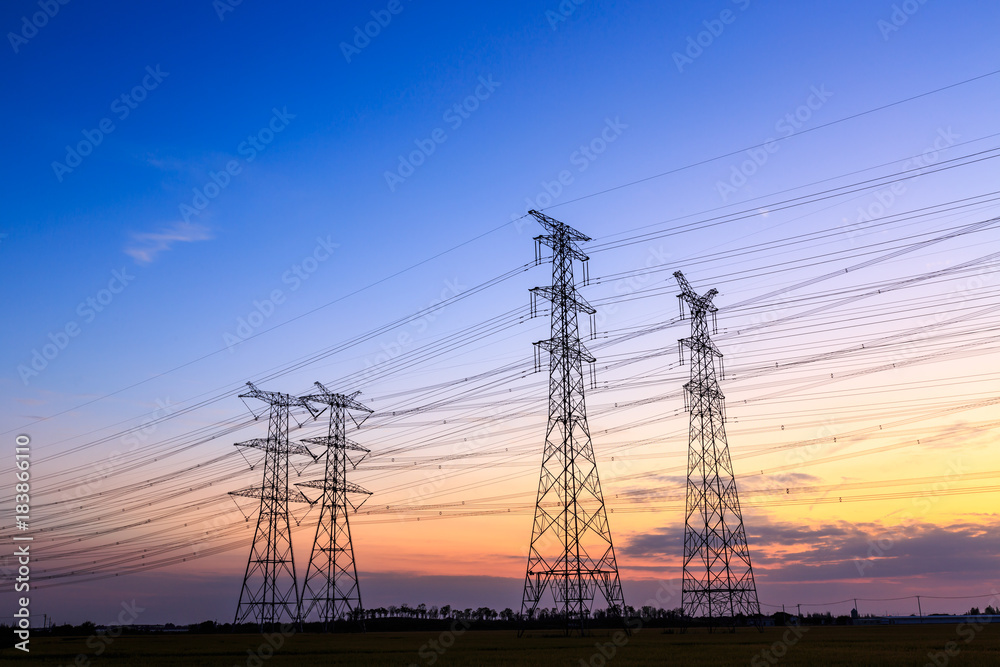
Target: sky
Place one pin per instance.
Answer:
(198, 194)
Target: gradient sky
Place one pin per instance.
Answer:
(192, 251)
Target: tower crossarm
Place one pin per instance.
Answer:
(576, 350)
(269, 445)
(278, 494)
(327, 397)
(562, 238)
(697, 304)
(327, 441)
(711, 391)
(559, 228)
(572, 299)
(349, 487)
(562, 245)
(278, 399)
(686, 290)
(696, 345)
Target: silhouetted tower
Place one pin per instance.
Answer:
(571, 551)
(718, 577)
(331, 584)
(270, 591)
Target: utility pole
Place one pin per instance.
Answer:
(718, 577)
(331, 583)
(270, 590)
(571, 552)
(920, 610)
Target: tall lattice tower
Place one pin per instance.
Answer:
(571, 551)
(331, 584)
(718, 577)
(270, 591)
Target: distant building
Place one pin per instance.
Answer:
(938, 619)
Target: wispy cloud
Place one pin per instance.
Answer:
(144, 247)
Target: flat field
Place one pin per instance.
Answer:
(935, 645)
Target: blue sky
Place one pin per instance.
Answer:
(325, 173)
(313, 215)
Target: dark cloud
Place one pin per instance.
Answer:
(961, 554)
(664, 542)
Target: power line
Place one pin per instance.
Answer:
(760, 145)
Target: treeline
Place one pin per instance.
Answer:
(447, 612)
(424, 617)
(989, 611)
(393, 617)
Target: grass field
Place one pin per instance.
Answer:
(883, 646)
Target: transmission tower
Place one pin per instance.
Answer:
(718, 577)
(331, 583)
(270, 591)
(571, 551)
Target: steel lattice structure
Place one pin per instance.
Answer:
(718, 577)
(571, 551)
(331, 585)
(270, 592)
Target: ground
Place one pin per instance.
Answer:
(934, 645)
